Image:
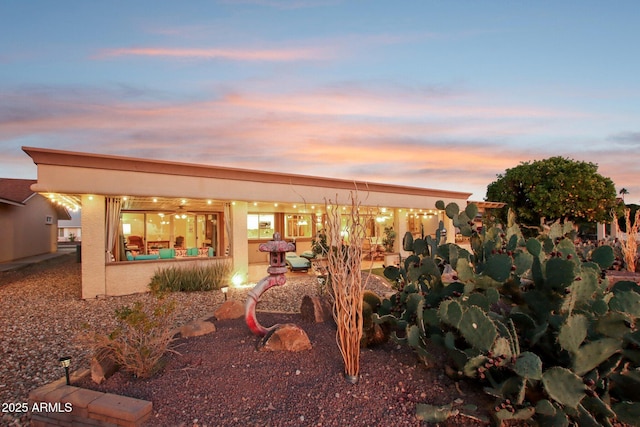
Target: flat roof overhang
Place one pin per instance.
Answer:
(70, 172)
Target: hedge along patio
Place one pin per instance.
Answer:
(131, 274)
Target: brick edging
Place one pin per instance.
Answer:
(59, 404)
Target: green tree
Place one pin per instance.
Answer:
(555, 188)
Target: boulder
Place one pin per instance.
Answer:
(197, 328)
(287, 337)
(315, 309)
(103, 367)
(231, 309)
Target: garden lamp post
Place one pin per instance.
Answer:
(65, 362)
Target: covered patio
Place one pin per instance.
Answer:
(162, 213)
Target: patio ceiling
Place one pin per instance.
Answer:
(173, 204)
(170, 204)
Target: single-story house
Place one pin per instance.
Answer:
(70, 230)
(139, 215)
(28, 220)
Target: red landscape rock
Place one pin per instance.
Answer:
(231, 309)
(287, 337)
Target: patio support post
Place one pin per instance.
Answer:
(451, 229)
(240, 239)
(94, 282)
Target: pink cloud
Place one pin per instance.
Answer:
(405, 105)
(358, 134)
(276, 55)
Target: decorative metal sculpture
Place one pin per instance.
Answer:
(277, 269)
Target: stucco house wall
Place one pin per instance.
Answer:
(28, 227)
(92, 178)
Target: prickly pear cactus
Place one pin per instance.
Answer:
(531, 319)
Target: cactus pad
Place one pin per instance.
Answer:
(450, 312)
(563, 386)
(573, 332)
(560, 273)
(594, 353)
(528, 365)
(477, 329)
(603, 256)
(498, 267)
(452, 210)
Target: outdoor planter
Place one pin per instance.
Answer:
(391, 258)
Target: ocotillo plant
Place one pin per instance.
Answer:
(630, 246)
(344, 265)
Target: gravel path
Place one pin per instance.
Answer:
(41, 314)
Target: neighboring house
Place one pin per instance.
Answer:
(160, 214)
(70, 230)
(28, 220)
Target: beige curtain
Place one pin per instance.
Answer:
(227, 227)
(112, 227)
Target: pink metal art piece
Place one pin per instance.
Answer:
(277, 269)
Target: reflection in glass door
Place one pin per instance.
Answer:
(202, 231)
(207, 231)
(199, 230)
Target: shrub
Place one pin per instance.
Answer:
(142, 336)
(527, 318)
(193, 278)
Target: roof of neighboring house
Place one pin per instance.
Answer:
(17, 192)
(488, 205)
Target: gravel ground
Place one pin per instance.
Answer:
(41, 314)
(244, 387)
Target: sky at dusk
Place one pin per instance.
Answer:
(437, 94)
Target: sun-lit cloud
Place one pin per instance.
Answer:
(231, 54)
(402, 103)
(394, 135)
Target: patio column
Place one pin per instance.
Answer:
(397, 245)
(401, 226)
(240, 239)
(93, 244)
(600, 231)
(451, 230)
(614, 231)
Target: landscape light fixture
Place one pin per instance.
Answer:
(65, 362)
(224, 290)
(237, 279)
